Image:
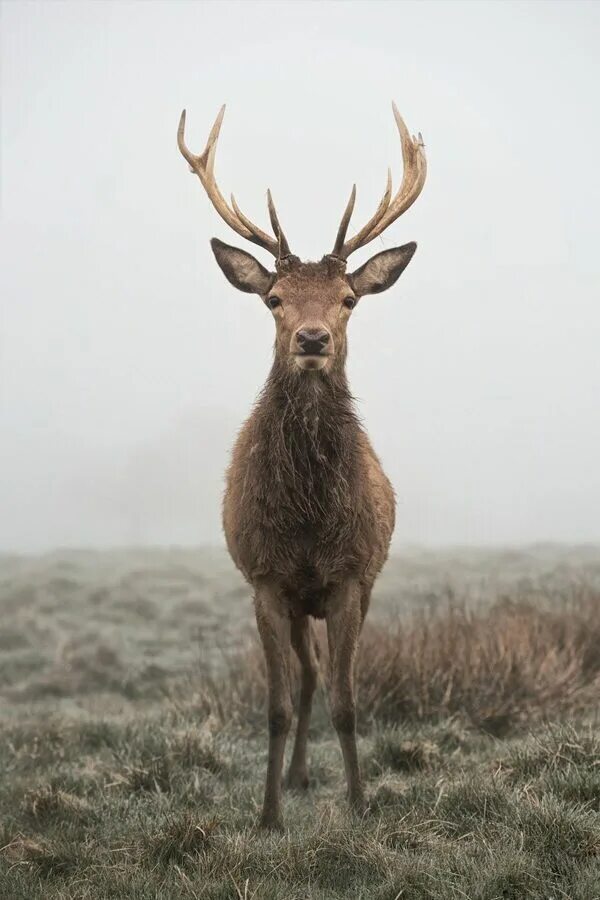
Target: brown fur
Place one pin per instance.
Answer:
(308, 517)
(307, 504)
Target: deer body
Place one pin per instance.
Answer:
(307, 503)
(308, 512)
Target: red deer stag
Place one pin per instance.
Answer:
(308, 512)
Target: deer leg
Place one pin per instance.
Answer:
(344, 620)
(274, 627)
(302, 642)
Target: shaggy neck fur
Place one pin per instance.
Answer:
(308, 434)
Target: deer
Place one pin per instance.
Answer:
(308, 512)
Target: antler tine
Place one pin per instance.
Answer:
(243, 218)
(341, 235)
(203, 166)
(183, 149)
(340, 248)
(413, 179)
(213, 137)
(284, 247)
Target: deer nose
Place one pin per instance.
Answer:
(312, 340)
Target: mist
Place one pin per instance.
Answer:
(128, 362)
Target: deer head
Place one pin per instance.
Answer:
(312, 302)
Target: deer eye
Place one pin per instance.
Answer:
(349, 302)
(273, 302)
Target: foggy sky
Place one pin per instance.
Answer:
(128, 362)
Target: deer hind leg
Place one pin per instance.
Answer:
(302, 642)
(344, 620)
(274, 627)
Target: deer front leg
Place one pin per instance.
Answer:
(344, 621)
(302, 642)
(274, 627)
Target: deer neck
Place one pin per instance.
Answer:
(309, 430)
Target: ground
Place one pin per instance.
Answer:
(132, 705)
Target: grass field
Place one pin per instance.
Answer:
(134, 743)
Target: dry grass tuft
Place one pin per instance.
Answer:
(50, 803)
(558, 749)
(403, 755)
(196, 750)
(153, 777)
(498, 667)
(47, 858)
(179, 839)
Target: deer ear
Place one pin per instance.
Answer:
(241, 269)
(382, 270)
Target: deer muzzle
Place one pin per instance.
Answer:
(311, 347)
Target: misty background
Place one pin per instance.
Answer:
(128, 362)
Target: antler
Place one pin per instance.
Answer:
(413, 179)
(203, 166)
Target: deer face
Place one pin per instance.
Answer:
(312, 302)
(311, 306)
